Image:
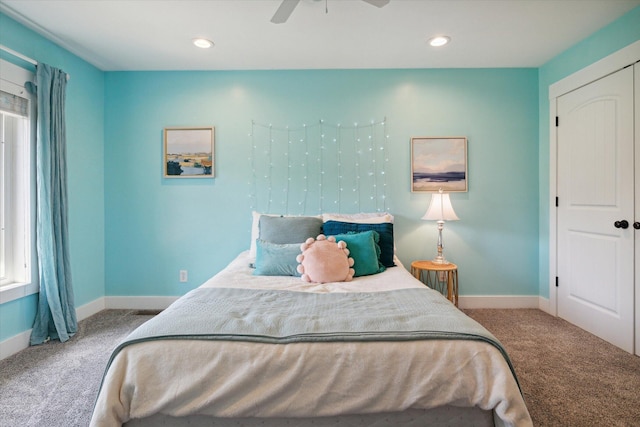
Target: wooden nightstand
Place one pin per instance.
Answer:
(438, 277)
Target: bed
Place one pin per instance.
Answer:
(272, 350)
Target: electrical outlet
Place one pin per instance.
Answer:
(184, 276)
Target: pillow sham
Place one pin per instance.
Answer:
(291, 229)
(385, 230)
(274, 259)
(255, 232)
(361, 218)
(365, 251)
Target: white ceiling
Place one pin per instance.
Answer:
(156, 34)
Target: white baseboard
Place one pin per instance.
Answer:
(544, 304)
(19, 342)
(89, 309)
(14, 344)
(498, 301)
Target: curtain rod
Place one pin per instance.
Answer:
(18, 55)
(23, 57)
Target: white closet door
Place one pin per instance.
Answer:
(596, 189)
(637, 198)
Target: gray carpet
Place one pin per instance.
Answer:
(569, 377)
(56, 384)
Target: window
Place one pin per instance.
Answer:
(16, 181)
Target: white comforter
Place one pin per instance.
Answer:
(247, 379)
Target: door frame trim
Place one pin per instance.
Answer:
(626, 56)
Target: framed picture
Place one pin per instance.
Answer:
(439, 162)
(189, 152)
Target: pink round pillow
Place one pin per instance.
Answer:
(323, 260)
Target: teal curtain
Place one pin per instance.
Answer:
(56, 314)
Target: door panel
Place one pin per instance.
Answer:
(596, 189)
(588, 279)
(592, 162)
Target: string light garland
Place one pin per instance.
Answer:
(306, 169)
(253, 182)
(356, 179)
(321, 162)
(300, 160)
(339, 155)
(288, 186)
(269, 176)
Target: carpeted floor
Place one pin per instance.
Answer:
(569, 377)
(56, 384)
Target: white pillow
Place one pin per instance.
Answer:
(359, 218)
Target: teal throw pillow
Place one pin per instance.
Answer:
(385, 230)
(363, 248)
(273, 259)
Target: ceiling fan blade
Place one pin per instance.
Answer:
(377, 3)
(284, 11)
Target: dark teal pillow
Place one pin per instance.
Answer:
(363, 248)
(273, 259)
(331, 228)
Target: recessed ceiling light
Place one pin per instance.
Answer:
(438, 41)
(203, 43)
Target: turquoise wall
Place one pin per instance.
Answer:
(85, 151)
(17, 316)
(157, 226)
(132, 230)
(604, 42)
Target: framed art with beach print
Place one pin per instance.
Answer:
(439, 163)
(189, 152)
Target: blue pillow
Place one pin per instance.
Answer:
(385, 230)
(363, 248)
(274, 259)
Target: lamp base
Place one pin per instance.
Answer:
(440, 260)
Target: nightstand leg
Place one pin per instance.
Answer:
(453, 275)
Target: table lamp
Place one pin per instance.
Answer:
(440, 210)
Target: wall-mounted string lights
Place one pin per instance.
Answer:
(311, 167)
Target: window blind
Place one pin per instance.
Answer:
(14, 104)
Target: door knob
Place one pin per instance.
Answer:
(624, 224)
(636, 225)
